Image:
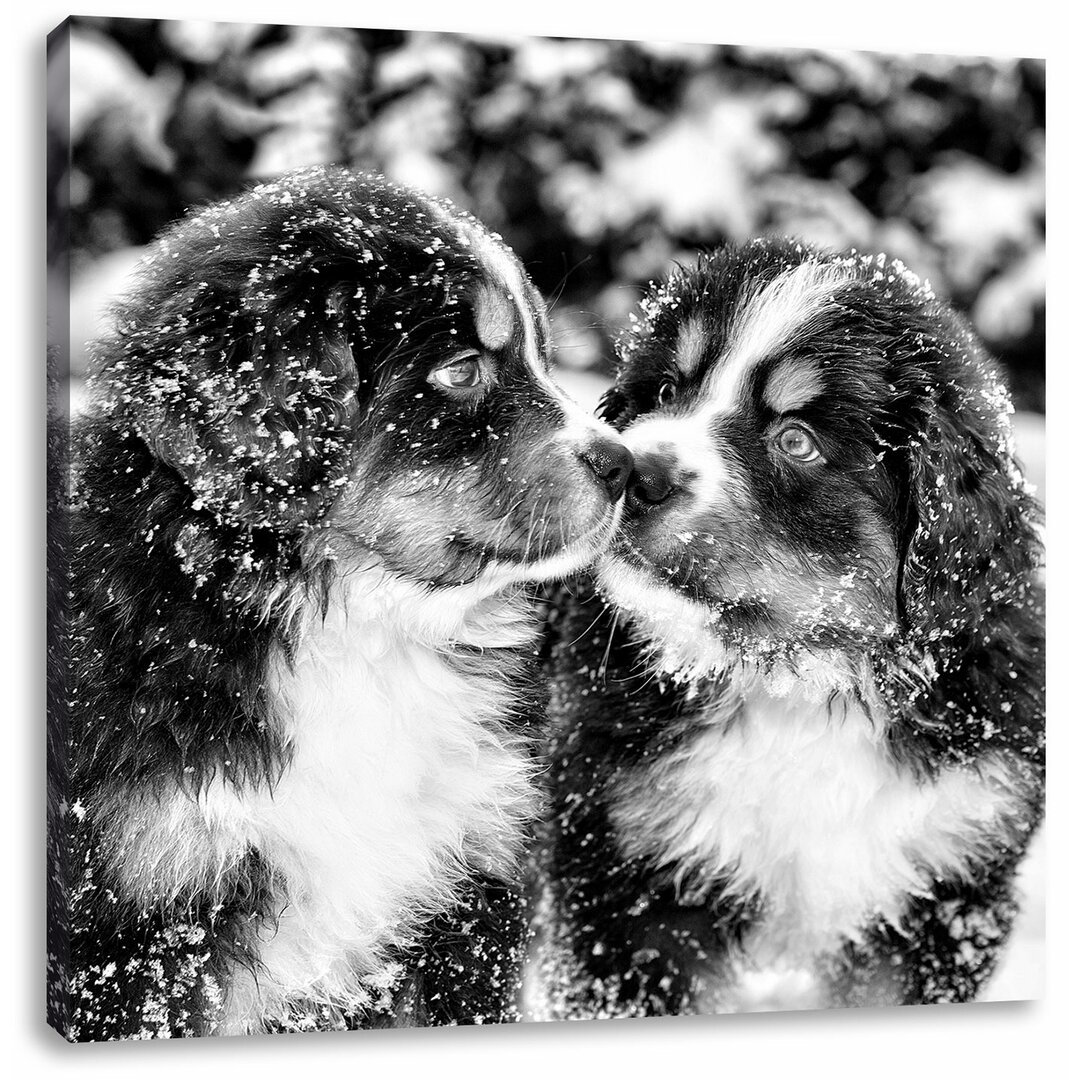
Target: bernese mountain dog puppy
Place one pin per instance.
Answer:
(323, 461)
(798, 732)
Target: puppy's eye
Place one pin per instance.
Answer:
(666, 394)
(460, 372)
(798, 443)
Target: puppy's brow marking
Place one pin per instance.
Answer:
(494, 317)
(791, 386)
(690, 347)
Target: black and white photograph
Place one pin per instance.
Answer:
(539, 529)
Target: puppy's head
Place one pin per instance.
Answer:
(348, 365)
(823, 462)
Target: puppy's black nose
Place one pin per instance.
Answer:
(610, 462)
(652, 481)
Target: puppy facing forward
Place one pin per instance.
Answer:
(800, 764)
(325, 457)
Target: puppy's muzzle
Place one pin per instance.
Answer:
(610, 462)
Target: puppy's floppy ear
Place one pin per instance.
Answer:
(968, 543)
(250, 395)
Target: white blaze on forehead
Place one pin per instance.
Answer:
(690, 347)
(792, 385)
(766, 320)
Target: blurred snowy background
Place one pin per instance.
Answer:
(600, 162)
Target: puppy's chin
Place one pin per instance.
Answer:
(586, 544)
(491, 610)
(694, 637)
(486, 610)
(680, 632)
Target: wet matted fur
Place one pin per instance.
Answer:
(322, 461)
(798, 717)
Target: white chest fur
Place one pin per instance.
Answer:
(401, 774)
(803, 806)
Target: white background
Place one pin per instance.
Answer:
(1027, 1040)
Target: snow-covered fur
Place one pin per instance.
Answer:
(323, 462)
(798, 715)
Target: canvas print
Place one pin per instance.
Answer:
(539, 529)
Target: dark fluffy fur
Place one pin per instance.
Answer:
(268, 384)
(921, 500)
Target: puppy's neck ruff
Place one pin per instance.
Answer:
(784, 792)
(791, 797)
(403, 777)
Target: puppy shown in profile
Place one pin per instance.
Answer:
(323, 462)
(805, 753)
